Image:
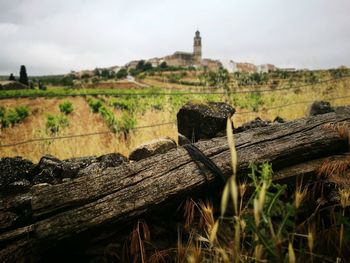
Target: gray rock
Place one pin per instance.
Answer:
(19, 186)
(151, 148)
(14, 170)
(102, 162)
(343, 110)
(72, 166)
(48, 170)
(320, 107)
(256, 123)
(111, 160)
(278, 119)
(203, 120)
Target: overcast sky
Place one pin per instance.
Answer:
(56, 36)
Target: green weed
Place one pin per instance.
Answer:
(66, 107)
(95, 104)
(55, 123)
(13, 116)
(109, 118)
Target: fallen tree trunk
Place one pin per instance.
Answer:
(121, 194)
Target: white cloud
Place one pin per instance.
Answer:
(56, 36)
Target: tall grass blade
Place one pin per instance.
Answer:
(231, 143)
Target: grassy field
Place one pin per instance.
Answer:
(268, 225)
(126, 109)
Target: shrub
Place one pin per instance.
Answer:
(255, 101)
(66, 107)
(3, 120)
(17, 115)
(2, 111)
(122, 73)
(12, 77)
(22, 112)
(95, 104)
(128, 104)
(109, 117)
(126, 123)
(54, 123)
(42, 86)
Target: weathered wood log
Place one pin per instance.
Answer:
(121, 194)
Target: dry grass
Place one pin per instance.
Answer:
(83, 121)
(307, 94)
(336, 171)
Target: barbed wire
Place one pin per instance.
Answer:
(156, 125)
(228, 92)
(82, 135)
(290, 104)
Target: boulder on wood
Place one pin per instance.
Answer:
(345, 110)
(278, 119)
(48, 170)
(111, 160)
(256, 123)
(72, 166)
(320, 107)
(13, 171)
(203, 120)
(157, 146)
(20, 186)
(102, 162)
(52, 170)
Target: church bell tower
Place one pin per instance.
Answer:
(197, 48)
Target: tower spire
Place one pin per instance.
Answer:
(197, 48)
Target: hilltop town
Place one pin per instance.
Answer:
(191, 59)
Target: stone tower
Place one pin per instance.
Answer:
(197, 48)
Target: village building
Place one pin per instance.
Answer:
(211, 64)
(155, 62)
(266, 68)
(186, 59)
(244, 67)
(288, 69)
(194, 59)
(132, 64)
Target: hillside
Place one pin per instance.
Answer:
(287, 95)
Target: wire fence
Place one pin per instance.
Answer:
(148, 93)
(174, 122)
(82, 135)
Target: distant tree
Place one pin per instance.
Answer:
(105, 73)
(97, 72)
(12, 77)
(95, 80)
(85, 76)
(143, 66)
(163, 65)
(122, 73)
(23, 77)
(67, 81)
(147, 66)
(140, 65)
